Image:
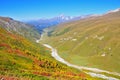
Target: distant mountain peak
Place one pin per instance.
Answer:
(8, 19)
(112, 11)
(61, 15)
(64, 17)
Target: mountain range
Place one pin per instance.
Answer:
(90, 42)
(21, 58)
(45, 23)
(40, 24)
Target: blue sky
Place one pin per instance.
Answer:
(35, 9)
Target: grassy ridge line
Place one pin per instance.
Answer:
(92, 42)
(19, 28)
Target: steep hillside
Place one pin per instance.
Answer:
(20, 28)
(91, 42)
(23, 59)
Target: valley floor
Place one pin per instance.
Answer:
(94, 72)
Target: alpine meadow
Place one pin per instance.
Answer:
(59, 40)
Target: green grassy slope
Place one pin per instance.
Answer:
(20, 28)
(91, 42)
(22, 59)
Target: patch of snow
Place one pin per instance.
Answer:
(101, 38)
(63, 17)
(37, 41)
(74, 39)
(112, 11)
(109, 48)
(66, 18)
(103, 54)
(66, 39)
(116, 10)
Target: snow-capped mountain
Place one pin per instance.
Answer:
(63, 17)
(116, 10)
(112, 11)
(44, 23)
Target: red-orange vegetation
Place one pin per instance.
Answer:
(8, 78)
(13, 36)
(10, 50)
(70, 73)
(1, 35)
(4, 45)
(45, 74)
(18, 51)
(2, 77)
(37, 73)
(82, 75)
(41, 63)
(36, 60)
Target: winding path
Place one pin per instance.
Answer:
(94, 71)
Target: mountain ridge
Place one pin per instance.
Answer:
(20, 28)
(21, 58)
(40, 24)
(92, 42)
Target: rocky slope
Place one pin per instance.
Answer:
(20, 28)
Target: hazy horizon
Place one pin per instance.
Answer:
(32, 10)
